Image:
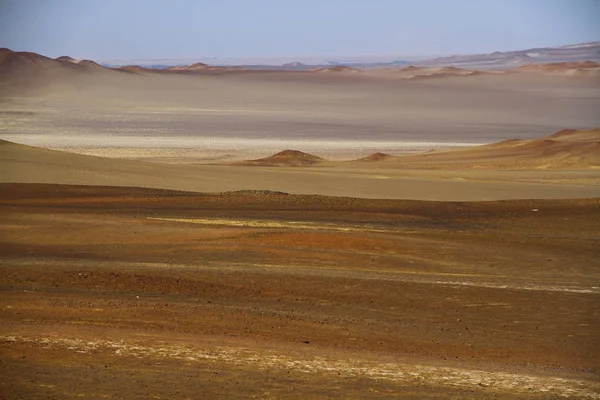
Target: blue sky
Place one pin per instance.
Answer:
(104, 29)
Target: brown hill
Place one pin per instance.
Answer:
(84, 64)
(376, 157)
(135, 69)
(15, 61)
(560, 65)
(564, 149)
(24, 70)
(452, 69)
(91, 64)
(190, 67)
(410, 68)
(338, 68)
(294, 64)
(564, 132)
(427, 73)
(67, 58)
(286, 158)
(30, 71)
(585, 68)
(25, 164)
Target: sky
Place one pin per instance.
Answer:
(151, 29)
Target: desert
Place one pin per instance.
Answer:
(206, 231)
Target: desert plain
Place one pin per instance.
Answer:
(213, 232)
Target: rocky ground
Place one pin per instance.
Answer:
(140, 293)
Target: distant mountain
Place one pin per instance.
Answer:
(25, 69)
(369, 65)
(19, 70)
(512, 59)
(190, 67)
(295, 64)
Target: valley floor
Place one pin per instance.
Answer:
(111, 292)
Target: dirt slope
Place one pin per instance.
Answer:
(584, 68)
(574, 149)
(285, 158)
(376, 157)
(19, 163)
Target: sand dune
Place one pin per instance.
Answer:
(190, 67)
(27, 65)
(564, 149)
(356, 112)
(26, 72)
(412, 72)
(567, 148)
(285, 158)
(15, 64)
(337, 68)
(499, 60)
(136, 69)
(16, 67)
(585, 68)
(441, 74)
(67, 58)
(560, 66)
(384, 179)
(376, 157)
(567, 69)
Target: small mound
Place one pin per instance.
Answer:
(568, 65)
(190, 67)
(288, 158)
(564, 132)
(376, 157)
(451, 69)
(23, 68)
(572, 135)
(589, 64)
(561, 66)
(567, 148)
(432, 75)
(89, 63)
(446, 72)
(7, 143)
(410, 68)
(23, 57)
(68, 59)
(134, 69)
(255, 193)
(197, 65)
(338, 68)
(294, 64)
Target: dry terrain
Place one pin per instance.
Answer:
(434, 176)
(205, 115)
(382, 255)
(123, 292)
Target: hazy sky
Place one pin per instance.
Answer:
(104, 29)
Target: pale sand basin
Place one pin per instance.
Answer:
(176, 118)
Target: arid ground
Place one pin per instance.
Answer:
(204, 260)
(112, 291)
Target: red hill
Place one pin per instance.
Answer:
(288, 158)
